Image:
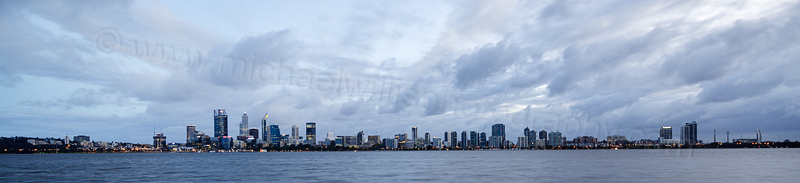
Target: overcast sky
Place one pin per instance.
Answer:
(120, 70)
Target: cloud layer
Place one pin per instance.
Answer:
(118, 71)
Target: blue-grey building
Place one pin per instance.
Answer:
(274, 135)
(220, 123)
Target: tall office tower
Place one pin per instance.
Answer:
(526, 132)
(330, 136)
(689, 133)
(414, 134)
(483, 142)
(274, 135)
(665, 132)
(427, 139)
(447, 138)
(728, 136)
(543, 135)
(555, 139)
(265, 127)
(311, 133)
(464, 142)
(243, 126)
(66, 139)
(453, 139)
(360, 138)
(473, 139)
(531, 138)
(190, 130)
(499, 130)
(159, 141)
(295, 133)
(220, 123)
(254, 132)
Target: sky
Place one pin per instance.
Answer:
(123, 70)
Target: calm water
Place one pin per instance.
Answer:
(695, 165)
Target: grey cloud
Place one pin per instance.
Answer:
(484, 62)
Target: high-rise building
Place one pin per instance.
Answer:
(483, 142)
(414, 133)
(522, 142)
(543, 135)
(453, 139)
(446, 139)
(555, 139)
(531, 138)
(464, 142)
(254, 132)
(190, 130)
(360, 138)
(274, 135)
(473, 139)
(295, 133)
(427, 141)
(526, 132)
(159, 141)
(243, 125)
(665, 132)
(689, 133)
(498, 137)
(220, 123)
(499, 130)
(436, 142)
(311, 133)
(265, 127)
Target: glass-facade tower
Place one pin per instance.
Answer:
(220, 123)
(311, 132)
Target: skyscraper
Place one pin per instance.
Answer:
(543, 135)
(295, 133)
(531, 138)
(447, 138)
(473, 139)
(526, 132)
(311, 133)
(243, 126)
(274, 134)
(360, 138)
(190, 130)
(414, 134)
(453, 139)
(427, 139)
(665, 132)
(555, 139)
(265, 127)
(464, 142)
(220, 123)
(483, 142)
(254, 132)
(499, 130)
(689, 133)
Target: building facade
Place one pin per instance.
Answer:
(311, 133)
(220, 123)
(689, 133)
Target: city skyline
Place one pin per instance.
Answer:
(122, 71)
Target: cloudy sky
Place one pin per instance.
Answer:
(120, 70)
